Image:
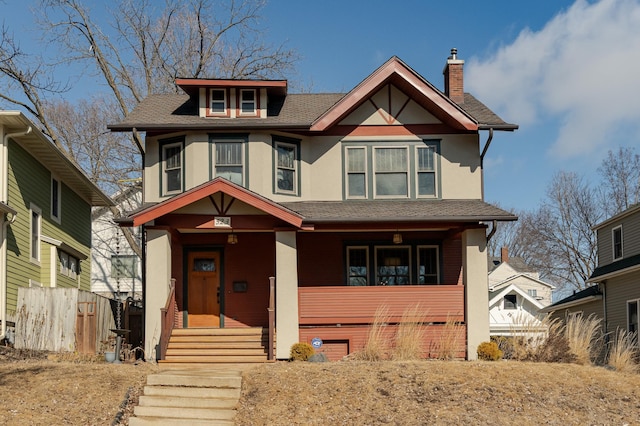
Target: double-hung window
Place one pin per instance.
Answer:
(248, 104)
(426, 171)
(172, 167)
(391, 172)
(229, 159)
(356, 172)
(124, 266)
(55, 199)
(36, 219)
(617, 242)
(357, 266)
(218, 102)
(286, 170)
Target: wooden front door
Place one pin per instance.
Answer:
(203, 289)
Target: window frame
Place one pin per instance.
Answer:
(532, 292)
(515, 303)
(617, 246)
(35, 233)
(419, 275)
(114, 268)
(367, 266)
(241, 102)
(225, 101)
(435, 153)
(295, 145)
(214, 140)
(56, 199)
(164, 146)
(348, 173)
(637, 323)
(377, 275)
(375, 173)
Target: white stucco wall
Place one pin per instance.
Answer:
(286, 293)
(474, 260)
(158, 283)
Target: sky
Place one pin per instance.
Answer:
(567, 72)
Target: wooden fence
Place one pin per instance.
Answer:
(63, 320)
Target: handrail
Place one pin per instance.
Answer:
(271, 310)
(167, 318)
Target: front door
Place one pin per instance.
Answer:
(203, 289)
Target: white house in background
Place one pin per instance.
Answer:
(115, 266)
(516, 294)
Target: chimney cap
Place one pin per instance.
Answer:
(454, 53)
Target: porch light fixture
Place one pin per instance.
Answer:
(397, 238)
(232, 239)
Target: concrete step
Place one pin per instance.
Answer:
(167, 421)
(185, 413)
(188, 343)
(239, 352)
(219, 332)
(220, 380)
(186, 402)
(191, 392)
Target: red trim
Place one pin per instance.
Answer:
(393, 130)
(212, 187)
(256, 93)
(229, 83)
(391, 70)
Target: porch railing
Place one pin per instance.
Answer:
(330, 305)
(168, 319)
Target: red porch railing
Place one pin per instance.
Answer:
(167, 319)
(357, 305)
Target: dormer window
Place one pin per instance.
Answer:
(248, 102)
(218, 102)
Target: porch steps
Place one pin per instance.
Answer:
(189, 396)
(217, 345)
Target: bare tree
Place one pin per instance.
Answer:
(136, 48)
(620, 184)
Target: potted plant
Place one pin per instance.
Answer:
(109, 349)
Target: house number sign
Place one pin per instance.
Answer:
(222, 222)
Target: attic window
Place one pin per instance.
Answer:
(510, 301)
(218, 102)
(248, 104)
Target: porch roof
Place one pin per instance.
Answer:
(207, 189)
(398, 211)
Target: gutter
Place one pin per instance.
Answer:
(4, 196)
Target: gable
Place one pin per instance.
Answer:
(389, 106)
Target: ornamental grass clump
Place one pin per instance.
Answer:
(448, 344)
(375, 348)
(301, 351)
(410, 335)
(623, 353)
(583, 335)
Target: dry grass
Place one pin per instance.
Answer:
(583, 335)
(40, 391)
(446, 348)
(410, 334)
(623, 352)
(376, 346)
(437, 393)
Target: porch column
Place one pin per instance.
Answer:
(157, 287)
(474, 260)
(287, 332)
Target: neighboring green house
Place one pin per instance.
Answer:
(45, 215)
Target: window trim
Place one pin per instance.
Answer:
(295, 144)
(436, 167)
(375, 173)
(429, 246)
(164, 145)
(368, 266)
(243, 139)
(56, 199)
(35, 234)
(240, 102)
(637, 331)
(210, 112)
(613, 242)
(347, 173)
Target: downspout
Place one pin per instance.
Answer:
(493, 230)
(4, 196)
(484, 151)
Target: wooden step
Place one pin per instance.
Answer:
(215, 345)
(235, 359)
(219, 331)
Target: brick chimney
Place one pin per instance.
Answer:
(504, 255)
(453, 78)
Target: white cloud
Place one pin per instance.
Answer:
(582, 70)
